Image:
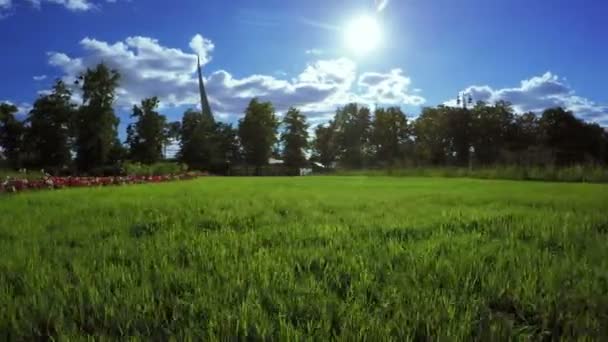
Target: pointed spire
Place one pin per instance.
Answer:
(205, 108)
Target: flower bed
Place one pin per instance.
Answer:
(11, 184)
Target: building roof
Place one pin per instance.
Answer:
(273, 161)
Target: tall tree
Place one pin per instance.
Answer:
(430, 130)
(353, 124)
(390, 135)
(444, 135)
(571, 139)
(227, 147)
(49, 134)
(197, 145)
(492, 130)
(96, 123)
(258, 132)
(459, 134)
(294, 139)
(147, 135)
(11, 134)
(325, 145)
(526, 132)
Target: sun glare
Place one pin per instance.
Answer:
(363, 34)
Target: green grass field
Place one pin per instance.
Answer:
(307, 258)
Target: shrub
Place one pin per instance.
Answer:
(157, 169)
(575, 173)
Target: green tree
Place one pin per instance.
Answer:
(459, 134)
(526, 132)
(227, 148)
(198, 144)
(294, 139)
(492, 130)
(353, 124)
(389, 136)
(431, 141)
(11, 135)
(444, 135)
(96, 122)
(258, 133)
(147, 136)
(325, 145)
(571, 139)
(49, 134)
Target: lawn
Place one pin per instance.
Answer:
(312, 257)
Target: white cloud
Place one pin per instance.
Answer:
(539, 93)
(203, 47)
(316, 91)
(5, 8)
(339, 72)
(148, 68)
(72, 5)
(391, 88)
(314, 52)
(40, 78)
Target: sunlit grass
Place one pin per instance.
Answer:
(318, 257)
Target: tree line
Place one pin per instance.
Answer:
(487, 134)
(60, 136)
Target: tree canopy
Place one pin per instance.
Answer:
(96, 122)
(11, 134)
(56, 129)
(146, 137)
(50, 132)
(258, 132)
(294, 139)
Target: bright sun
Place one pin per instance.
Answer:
(363, 34)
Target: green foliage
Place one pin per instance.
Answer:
(572, 140)
(50, 134)
(258, 132)
(206, 145)
(390, 136)
(451, 136)
(353, 127)
(156, 169)
(325, 145)
(294, 139)
(576, 173)
(148, 134)
(492, 131)
(96, 122)
(430, 129)
(12, 133)
(317, 258)
(228, 149)
(28, 174)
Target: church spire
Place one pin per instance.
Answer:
(205, 108)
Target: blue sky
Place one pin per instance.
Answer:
(535, 54)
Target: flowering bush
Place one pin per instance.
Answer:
(12, 184)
